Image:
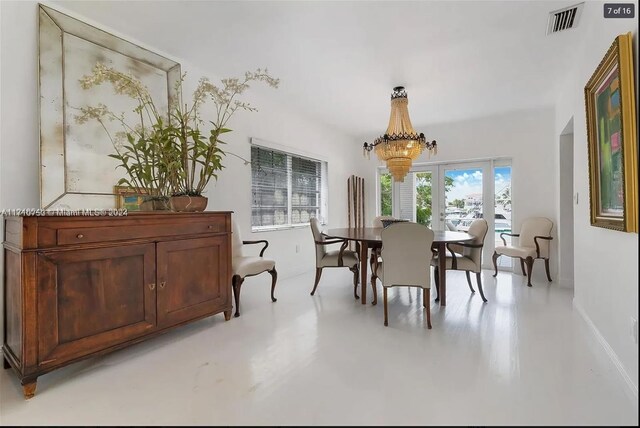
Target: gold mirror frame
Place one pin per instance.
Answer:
(619, 58)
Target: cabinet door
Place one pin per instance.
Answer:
(91, 299)
(193, 279)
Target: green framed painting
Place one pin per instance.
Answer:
(611, 135)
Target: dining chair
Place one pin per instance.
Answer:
(533, 243)
(466, 256)
(406, 255)
(244, 266)
(375, 249)
(333, 258)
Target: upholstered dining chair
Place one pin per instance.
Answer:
(375, 250)
(377, 221)
(466, 256)
(333, 258)
(244, 266)
(533, 243)
(406, 255)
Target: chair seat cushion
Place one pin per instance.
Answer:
(252, 265)
(522, 252)
(349, 258)
(462, 263)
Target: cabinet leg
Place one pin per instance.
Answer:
(5, 363)
(227, 315)
(29, 388)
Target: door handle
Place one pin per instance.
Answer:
(162, 284)
(152, 286)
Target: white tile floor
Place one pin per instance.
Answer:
(525, 357)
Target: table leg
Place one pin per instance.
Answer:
(442, 273)
(364, 261)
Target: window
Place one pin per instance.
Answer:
(287, 190)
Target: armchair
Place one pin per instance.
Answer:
(244, 266)
(334, 258)
(533, 243)
(467, 256)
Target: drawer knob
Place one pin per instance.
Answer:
(210, 226)
(152, 286)
(162, 284)
(79, 236)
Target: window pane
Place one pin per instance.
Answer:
(423, 198)
(385, 194)
(502, 223)
(286, 189)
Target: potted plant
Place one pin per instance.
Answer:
(170, 158)
(196, 153)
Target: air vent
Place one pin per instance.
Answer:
(564, 19)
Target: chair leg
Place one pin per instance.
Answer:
(546, 267)
(495, 263)
(436, 279)
(384, 297)
(426, 301)
(374, 289)
(479, 281)
(469, 282)
(318, 275)
(356, 272)
(529, 262)
(274, 278)
(524, 272)
(236, 283)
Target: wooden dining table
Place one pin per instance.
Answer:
(370, 237)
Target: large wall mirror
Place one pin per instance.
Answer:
(75, 169)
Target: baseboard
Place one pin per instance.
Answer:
(631, 388)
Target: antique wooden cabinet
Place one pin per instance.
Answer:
(80, 286)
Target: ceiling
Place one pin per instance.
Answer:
(338, 61)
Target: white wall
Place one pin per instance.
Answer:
(606, 262)
(527, 137)
(19, 142)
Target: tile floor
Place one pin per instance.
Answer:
(525, 357)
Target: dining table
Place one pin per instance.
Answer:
(371, 237)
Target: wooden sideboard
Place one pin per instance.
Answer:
(81, 286)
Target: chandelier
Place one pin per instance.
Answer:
(401, 144)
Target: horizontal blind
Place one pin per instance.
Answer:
(287, 190)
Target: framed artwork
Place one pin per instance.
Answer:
(129, 198)
(611, 135)
(75, 168)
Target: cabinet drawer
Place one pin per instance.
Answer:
(81, 235)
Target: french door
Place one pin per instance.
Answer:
(451, 196)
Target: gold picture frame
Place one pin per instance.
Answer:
(129, 198)
(611, 134)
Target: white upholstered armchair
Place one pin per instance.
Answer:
(406, 255)
(244, 266)
(467, 256)
(333, 258)
(533, 243)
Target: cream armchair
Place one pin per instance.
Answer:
(533, 243)
(244, 266)
(466, 256)
(406, 254)
(334, 258)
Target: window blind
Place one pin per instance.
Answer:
(287, 190)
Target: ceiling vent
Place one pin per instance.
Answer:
(564, 19)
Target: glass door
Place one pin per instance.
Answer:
(450, 196)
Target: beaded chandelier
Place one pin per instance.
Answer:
(401, 144)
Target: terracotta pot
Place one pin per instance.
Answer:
(188, 203)
(155, 205)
